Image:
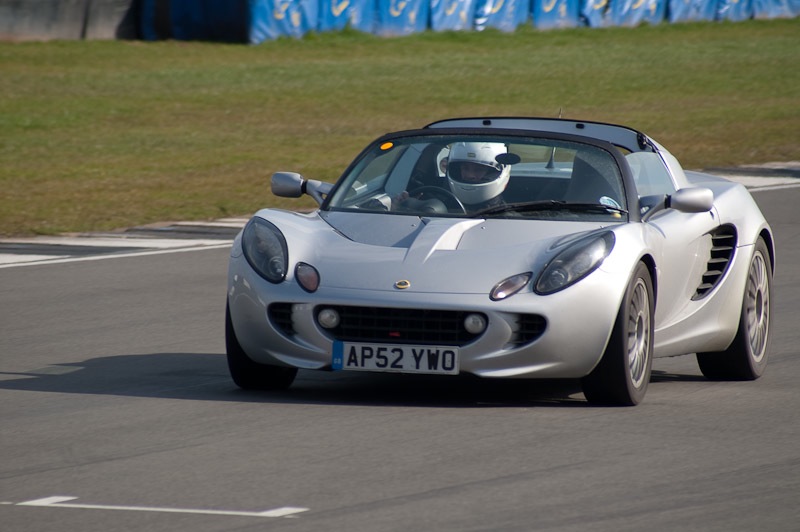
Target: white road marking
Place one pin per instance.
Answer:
(60, 501)
(117, 242)
(47, 501)
(226, 244)
(11, 258)
(225, 222)
(760, 182)
(114, 245)
(774, 187)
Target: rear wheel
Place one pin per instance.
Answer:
(622, 376)
(250, 375)
(746, 358)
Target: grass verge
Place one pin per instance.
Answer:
(101, 135)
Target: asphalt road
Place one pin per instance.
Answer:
(117, 413)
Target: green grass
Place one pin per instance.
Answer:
(102, 135)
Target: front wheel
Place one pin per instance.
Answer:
(622, 376)
(250, 375)
(746, 358)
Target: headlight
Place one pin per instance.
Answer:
(574, 263)
(265, 250)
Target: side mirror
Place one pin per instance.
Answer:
(293, 185)
(695, 199)
(287, 184)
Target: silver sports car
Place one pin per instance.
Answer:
(506, 248)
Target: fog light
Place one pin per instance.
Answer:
(328, 318)
(475, 323)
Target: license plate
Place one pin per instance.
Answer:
(441, 360)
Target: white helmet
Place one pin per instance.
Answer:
(488, 183)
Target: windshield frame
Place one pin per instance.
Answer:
(628, 192)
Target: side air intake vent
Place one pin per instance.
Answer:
(723, 245)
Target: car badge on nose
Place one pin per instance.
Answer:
(402, 284)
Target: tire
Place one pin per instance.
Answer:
(622, 376)
(250, 375)
(746, 358)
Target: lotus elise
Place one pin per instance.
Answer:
(524, 248)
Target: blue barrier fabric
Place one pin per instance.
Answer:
(596, 13)
(255, 21)
(549, 14)
(335, 15)
(635, 12)
(691, 10)
(154, 20)
(452, 15)
(503, 15)
(402, 17)
(210, 20)
(776, 8)
(735, 10)
(271, 19)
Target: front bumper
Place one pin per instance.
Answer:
(577, 323)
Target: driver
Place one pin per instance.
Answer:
(474, 175)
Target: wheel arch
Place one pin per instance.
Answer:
(650, 262)
(766, 234)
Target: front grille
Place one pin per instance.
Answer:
(723, 245)
(406, 326)
(401, 326)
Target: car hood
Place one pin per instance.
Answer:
(441, 255)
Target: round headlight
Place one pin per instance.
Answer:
(574, 263)
(265, 250)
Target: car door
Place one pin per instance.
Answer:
(682, 240)
(685, 250)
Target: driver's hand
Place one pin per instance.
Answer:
(399, 200)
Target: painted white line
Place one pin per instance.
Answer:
(774, 187)
(10, 258)
(60, 501)
(219, 223)
(47, 501)
(759, 181)
(286, 511)
(116, 242)
(117, 255)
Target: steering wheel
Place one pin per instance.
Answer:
(448, 198)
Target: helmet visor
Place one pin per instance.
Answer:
(472, 173)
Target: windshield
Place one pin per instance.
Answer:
(483, 176)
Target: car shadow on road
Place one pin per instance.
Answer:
(204, 377)
(666, 376)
